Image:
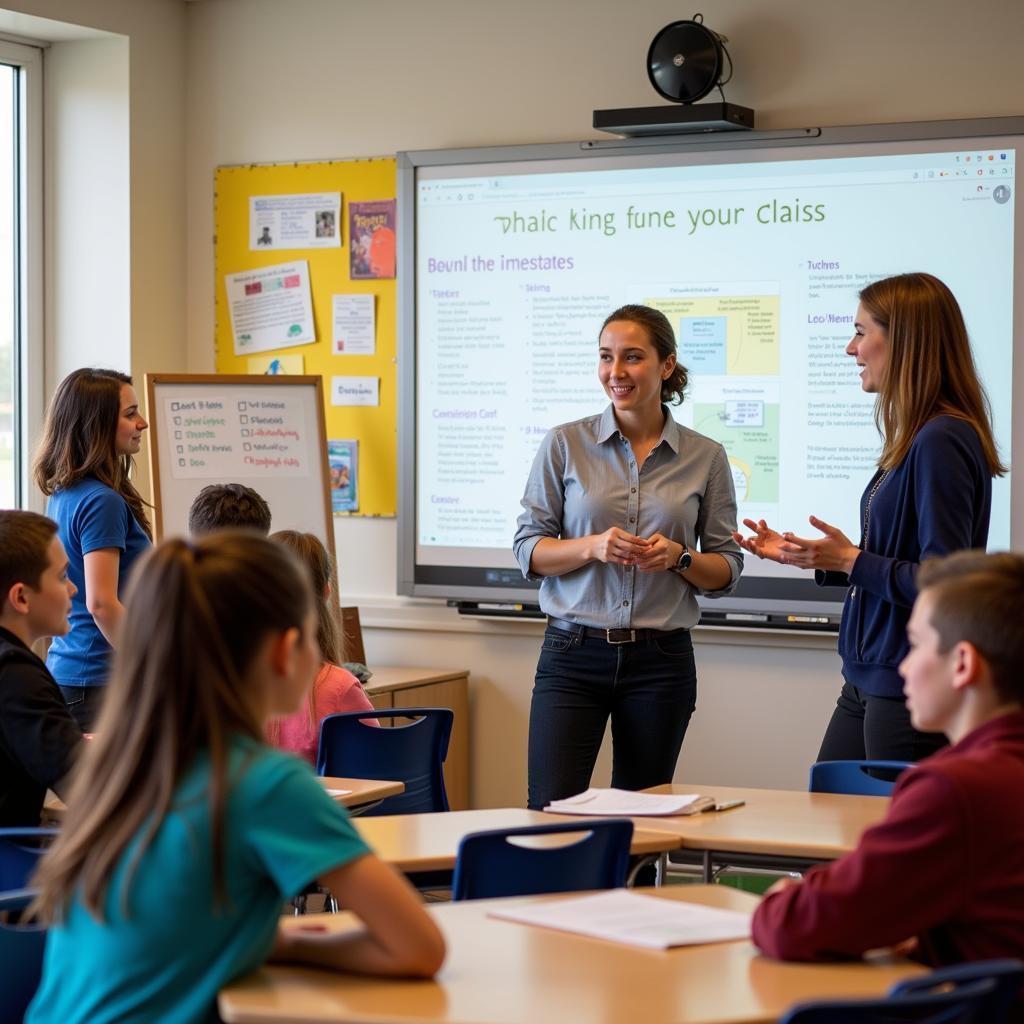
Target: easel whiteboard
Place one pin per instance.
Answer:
(264, 432)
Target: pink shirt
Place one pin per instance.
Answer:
(335, 690)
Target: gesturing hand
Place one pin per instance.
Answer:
(766, 542)
(615, 545)
(661, 553)
(833, 551)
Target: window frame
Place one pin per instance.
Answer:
(28, 364)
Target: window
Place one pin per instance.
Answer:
(21, 386)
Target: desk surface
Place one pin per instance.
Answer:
(389, 677)
(429, 842)
(499, 972)
(777, 822)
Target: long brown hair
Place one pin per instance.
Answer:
(312, 553)
(195, 616)
(79, 435)
(930, 370)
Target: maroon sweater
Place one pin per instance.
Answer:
(946, 865)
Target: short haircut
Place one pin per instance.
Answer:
(228, 507)
(978, 598)
(25, 539)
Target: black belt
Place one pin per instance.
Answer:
(612, 636)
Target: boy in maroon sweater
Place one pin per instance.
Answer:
(945, 869)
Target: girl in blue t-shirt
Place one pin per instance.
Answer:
(184, 832)
(93, 429)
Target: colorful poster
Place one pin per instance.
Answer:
(343, 459)
(270, 307)
(307, 221)
(371, 234)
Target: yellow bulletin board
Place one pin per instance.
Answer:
(374, 427)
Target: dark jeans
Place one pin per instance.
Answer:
(84, 704)
(875, 728)
(649, 689)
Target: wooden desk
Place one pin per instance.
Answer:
(430, 842)
(498, 972)
(361, 792)
(775, 828)
(432, 688)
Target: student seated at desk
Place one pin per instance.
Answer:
(228, 507)
(945, 869)
(184, 831)
(39, 740)
(335, 689)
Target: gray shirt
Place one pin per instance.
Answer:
(585, 480)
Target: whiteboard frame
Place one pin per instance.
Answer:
(156, 380)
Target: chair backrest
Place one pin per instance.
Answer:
(1007, 974)
(965, 1004)
(21, 958)
(498, 863)
(20, 850)
(413, 753)
(858, 778)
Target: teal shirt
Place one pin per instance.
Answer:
(167, 959)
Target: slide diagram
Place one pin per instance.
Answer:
(725, 334)
(749, 431)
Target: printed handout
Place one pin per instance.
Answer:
(354, 331)
(302, 221)
(270, 307)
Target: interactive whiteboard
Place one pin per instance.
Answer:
(755, 246)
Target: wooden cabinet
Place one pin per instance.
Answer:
(432, 688)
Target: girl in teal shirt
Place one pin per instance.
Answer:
(184, 832)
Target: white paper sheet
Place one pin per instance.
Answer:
(270, 307)
(613, 802)
(355, 391)
(634, 919)
(296, 221)
(354, 331)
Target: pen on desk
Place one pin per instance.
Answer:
(725, 805)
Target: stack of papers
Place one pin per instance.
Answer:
(609, 803)
(634, 919)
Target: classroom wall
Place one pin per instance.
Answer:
(316, 78)
(114, 169)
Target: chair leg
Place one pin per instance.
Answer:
(299, 905)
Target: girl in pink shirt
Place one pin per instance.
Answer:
(335, 689)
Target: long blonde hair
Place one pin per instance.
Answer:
(930, 370)
(195, 615)
(79, 438)
(317, 559)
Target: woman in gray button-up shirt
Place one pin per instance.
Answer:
(615, 509)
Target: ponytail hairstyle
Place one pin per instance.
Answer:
(196, 614)
(79, 438)
(930, 370)
(661, 336)
(311, 552)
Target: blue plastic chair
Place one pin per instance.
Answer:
(964, 1004)
(412, 753)
(21, 958)
(852, 777)
(1007, 974)
(20, 850)
(494, 864)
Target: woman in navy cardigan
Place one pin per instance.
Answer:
(931, 494)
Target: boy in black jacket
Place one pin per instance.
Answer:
(39, 740)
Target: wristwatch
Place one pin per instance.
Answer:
(684, 563)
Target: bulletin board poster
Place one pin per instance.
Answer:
(292, 298)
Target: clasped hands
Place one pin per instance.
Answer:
(649, 554)
(834, 551)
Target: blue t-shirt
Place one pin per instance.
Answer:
(167, 960)
(90, 516)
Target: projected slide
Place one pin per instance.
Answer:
(757, 266)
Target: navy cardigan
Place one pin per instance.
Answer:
(936, 501)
